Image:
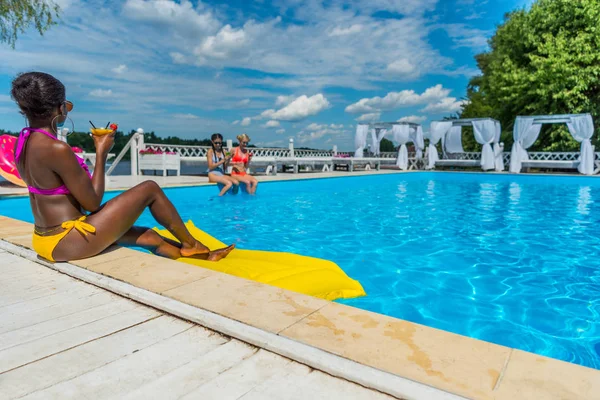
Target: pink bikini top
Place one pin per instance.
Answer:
(23, 136)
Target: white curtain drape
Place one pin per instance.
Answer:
(525, 133)
(374, 142)
(417, 139)
(401, 135)
(498, 148)
(380, 135)
(452, 141)
(437, 130)
(360, 140)
(485, 133)
(582, 129)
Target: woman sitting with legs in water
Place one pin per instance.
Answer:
(60, 188)
(217, 161)
(240, 160)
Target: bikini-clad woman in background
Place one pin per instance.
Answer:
(240, 161)
(217, 162)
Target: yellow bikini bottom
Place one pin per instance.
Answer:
(45, 245)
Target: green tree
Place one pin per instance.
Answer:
(545, 60)
(387, 145)
(16, 16)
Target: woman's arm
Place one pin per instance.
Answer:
(88, 193)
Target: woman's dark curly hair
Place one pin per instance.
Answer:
(37, 94)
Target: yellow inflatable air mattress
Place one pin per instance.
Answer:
(308, 275)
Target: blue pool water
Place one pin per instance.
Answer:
(513, 260)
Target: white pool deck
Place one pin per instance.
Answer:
(61, 338)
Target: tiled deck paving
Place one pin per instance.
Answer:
(455, 364)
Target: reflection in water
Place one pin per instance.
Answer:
(584, 200)
(514, 200)
(488, 193)
(430, 189)
(402, 191)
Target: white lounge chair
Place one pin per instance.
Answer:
(352, 162)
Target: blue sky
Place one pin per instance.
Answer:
(303, 69)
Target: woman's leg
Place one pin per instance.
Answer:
(149, 239)
(236, 184)
(222, 179)
(254, 183)
(245, 179)
(116, 218)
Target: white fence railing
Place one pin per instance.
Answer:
(201, 151)
(198, 153)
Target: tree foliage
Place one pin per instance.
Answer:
(545, 60)
(16, 16)
(387, 145)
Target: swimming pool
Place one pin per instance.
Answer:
(513, 260)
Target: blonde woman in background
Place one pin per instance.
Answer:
(240, 161)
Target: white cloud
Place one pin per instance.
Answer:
(5, 99)
(315, 127)
(316, 134)
(235, 122)
(302, 107)
(243, 103)
(121, 69)
(284, 100)
(359, 48)
(221, 46)
(475, 16)
(272, 124)
(178, 58)
(447, 105)
(180, 17)
(246, 121)
(101, 93)
(417, 119)
(410, 7)
(395, 100)
(403, 67)
(338, 31)
(185, 116)
(280, 131)
(464, 36)
(369, 117)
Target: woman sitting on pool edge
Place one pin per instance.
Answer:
(240, 160)
(217, 161)
(61, 188)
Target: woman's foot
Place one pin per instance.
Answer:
(197, 249)
(220, 253)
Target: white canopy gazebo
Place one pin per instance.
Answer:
(401, 133)
(486, 131)
(527, 129)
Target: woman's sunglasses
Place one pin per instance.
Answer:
(245, 143)
(216, 143)
(68, 105)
